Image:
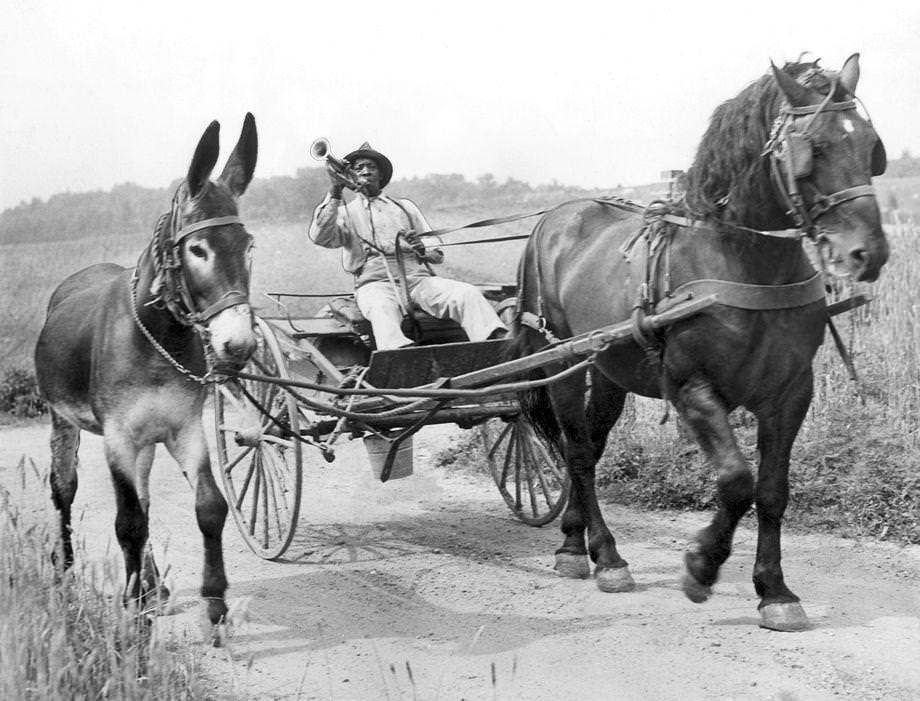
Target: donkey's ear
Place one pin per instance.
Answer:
(849, 74)
(242, 162)
(204, 159)
(796, 94)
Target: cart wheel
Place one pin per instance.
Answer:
(529, 472)
(260, 462)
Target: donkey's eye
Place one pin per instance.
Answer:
(197, 251)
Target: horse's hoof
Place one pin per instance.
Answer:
(572, 566)
(614, 579)
(696, 592)
(787, 618)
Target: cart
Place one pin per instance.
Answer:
(314, 380)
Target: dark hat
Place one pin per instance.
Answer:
(365, 151)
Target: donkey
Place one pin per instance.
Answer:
(126, 353)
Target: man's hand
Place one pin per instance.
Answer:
(415, 243)
(337, 182)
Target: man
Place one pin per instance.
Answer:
(368, 229)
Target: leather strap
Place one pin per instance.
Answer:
(747, 296)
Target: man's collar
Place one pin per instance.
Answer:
(379, 196)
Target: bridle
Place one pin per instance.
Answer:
(169, 284)
(792, 148)
(170, 288)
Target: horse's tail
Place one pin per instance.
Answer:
(535, 403)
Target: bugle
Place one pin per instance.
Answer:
(321, 150)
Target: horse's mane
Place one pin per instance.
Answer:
(728, 173)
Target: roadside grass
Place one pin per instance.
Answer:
(66, 635)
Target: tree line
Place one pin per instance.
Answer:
(131, 209)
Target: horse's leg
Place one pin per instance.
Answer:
(154, 594)
(65, 441)
(707, 417)
(585, 434)
(131, 517)
(191, 452)
(776, 431)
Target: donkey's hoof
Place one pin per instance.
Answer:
(696, 592)
(156, 601)
(614, 579)
(788, 618)
(572, 566)
(213, 632)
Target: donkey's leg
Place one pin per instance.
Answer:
(707, 417)
(191, 452)
(65, 441)
(154, 594)
(131, 517)
(776, 431)
(581, 453)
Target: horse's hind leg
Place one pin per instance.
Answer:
(776, 430)
(585, 431)
(707, 417)
(65, 441)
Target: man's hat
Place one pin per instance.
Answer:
(365, 151)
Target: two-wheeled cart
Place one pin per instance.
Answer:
(315, 380)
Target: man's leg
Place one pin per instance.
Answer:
(460, 301)
(380, 305)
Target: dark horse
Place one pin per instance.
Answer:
(791, 150)
(125, 353)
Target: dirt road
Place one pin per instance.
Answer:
(425, 588)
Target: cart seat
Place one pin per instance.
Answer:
(422, 328)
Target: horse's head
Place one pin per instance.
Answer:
(823, 155)
(213, 249)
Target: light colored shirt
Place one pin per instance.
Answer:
(363, 228)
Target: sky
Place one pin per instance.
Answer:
(99, 93)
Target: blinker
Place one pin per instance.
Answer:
(879, 162)
(798, 154)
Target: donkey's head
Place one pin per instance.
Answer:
(824, 154)
(213, 249)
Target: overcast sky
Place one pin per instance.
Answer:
(94, 94)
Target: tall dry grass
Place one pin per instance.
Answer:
(66, 635)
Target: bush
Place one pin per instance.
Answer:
(19, 394)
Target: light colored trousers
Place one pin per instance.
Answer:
(440, 297)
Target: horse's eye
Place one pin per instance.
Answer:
(197, 251)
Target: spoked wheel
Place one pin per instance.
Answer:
(529, 472)
(260, 460)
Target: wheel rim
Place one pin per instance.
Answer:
(529, 474)
(260, 462)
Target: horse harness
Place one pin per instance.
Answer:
(170, 289)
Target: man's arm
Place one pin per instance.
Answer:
(328, 227)
(427, 254)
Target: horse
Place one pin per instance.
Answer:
(790, 156)
(126, 353)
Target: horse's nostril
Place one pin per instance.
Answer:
(860, 256)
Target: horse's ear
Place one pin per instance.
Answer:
(796, 94)
(849, 74)
(242, 162)
(204, 159)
